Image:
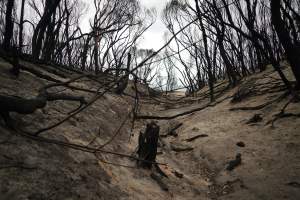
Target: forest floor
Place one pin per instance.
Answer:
(196, 153)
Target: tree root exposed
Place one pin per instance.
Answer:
(260, 106)
(157, 117)
(283, 114)
(196, 137)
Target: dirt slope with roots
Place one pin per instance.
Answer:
(196, 153)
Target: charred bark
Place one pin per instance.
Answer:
(292, 50)
(122, 84)
(206, 52)
(147, 148)
(9, 25)
(38, 35)
(21, 27)
(25, 106)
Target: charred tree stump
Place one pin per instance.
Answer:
(147, 148)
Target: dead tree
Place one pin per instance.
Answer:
(38, 35)
(206, 53)
(291, 49)
(21, 26)
(147, 148)
(9, 25)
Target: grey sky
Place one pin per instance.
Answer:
(153, 37)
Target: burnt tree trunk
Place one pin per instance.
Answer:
(206, 52)
(21, 27)
(85, 52)
(147, 148)
(9, 25)
(256, 37)
(292, 50)
(38, 35)
(220, 29)
(49, 43)
(122, 84)
(67, 30)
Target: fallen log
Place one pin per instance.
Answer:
(25, 106)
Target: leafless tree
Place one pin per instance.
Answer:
(9, 25)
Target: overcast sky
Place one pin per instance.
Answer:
(153, 37)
